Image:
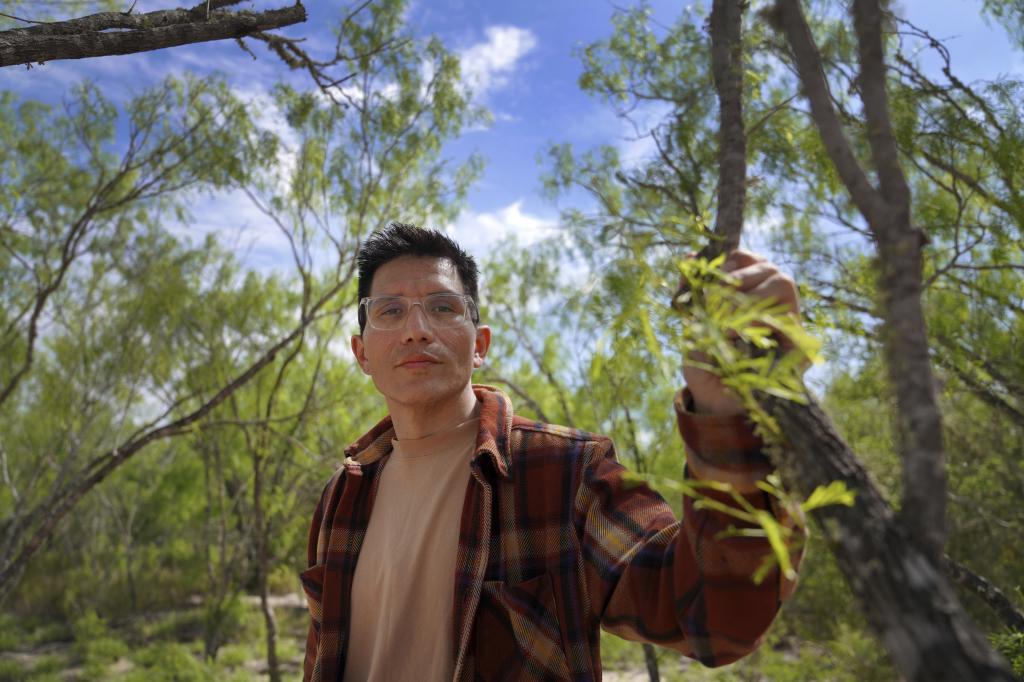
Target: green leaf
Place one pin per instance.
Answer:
(774, 532)
(835, 492)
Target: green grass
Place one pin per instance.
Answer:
(168, 662)
(160, 647)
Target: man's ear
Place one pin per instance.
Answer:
(483, 342)
(359, 351)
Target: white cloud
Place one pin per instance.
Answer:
(240, 227)
(270, 117)
(487, 66)
(478, 232)
(630, 135)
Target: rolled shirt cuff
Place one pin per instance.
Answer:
(721, 448)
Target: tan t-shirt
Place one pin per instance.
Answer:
(402, 592)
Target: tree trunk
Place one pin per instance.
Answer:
(651, 660)
(908, 603)
(273, 666)
(886, 209)
(891, 567)
(263, 566)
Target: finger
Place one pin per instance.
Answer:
(753, 275)
(782, 288)
(696, 357)
(741, 258)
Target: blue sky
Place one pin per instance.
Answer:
(519, 58)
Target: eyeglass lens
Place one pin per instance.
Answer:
(441, 309)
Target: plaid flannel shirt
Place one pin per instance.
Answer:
(555, 543)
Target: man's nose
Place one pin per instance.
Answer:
(417, 326)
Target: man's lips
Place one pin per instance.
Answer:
(418, 362)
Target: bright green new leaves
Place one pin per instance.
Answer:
(717, 316)
(754, 522)
(835, 492)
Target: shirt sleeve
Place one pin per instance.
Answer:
(721, 448)
(687, 585)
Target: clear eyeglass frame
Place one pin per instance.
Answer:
(442, 310)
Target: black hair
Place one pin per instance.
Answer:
(402, 239)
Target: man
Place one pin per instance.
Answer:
(460, 541)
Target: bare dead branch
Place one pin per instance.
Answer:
(113, 33)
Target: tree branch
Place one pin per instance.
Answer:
(867, 22)
(899, 248)
(110, 33)
(905, 598)
(906, 338)
(490, 375)
(791, 22)
(727, 68)
(995, 598)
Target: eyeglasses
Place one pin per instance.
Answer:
(388, 313)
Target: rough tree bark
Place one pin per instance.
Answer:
(891, 565)
(726, 25)
(112, 33)
(899, 248)
(993, 597)
(905, 598)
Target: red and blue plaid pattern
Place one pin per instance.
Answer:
(556, 543)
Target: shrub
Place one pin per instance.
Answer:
(12, 671)
(12, 632)
(97, 647)
(50, 632)
(168, 662)
(1011, 645)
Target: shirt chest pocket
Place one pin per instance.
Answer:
(518, 636)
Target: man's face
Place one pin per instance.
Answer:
(416, 364)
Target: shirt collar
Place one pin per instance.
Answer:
(492, 439)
